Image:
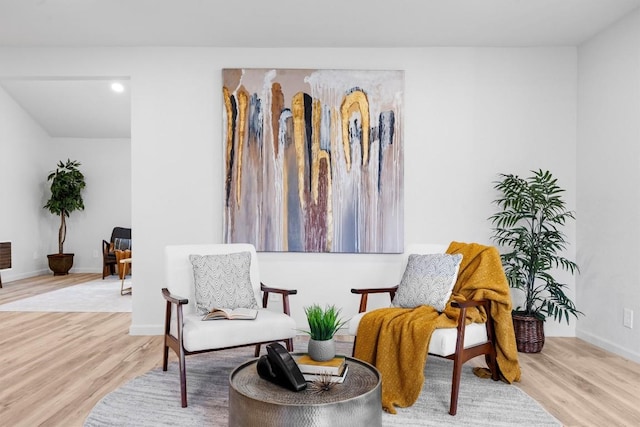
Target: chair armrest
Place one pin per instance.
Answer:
(105, 247)
(364, 293)
(172, 298)
(174, 341)
(470, 303)
(463, 305)
(374, 290)
(484, 303)
(282, 291)
(266, 290)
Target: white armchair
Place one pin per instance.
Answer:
(460, 343)
(185, 331)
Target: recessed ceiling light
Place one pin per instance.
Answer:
(117, 87)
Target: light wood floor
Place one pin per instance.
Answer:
(54, 367)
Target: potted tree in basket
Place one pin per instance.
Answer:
(67, 183)
(529, 225)
(323, 325)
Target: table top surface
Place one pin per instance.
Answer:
(362, 378)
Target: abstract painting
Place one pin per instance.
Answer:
(314, 160)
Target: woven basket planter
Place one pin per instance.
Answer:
(529, 333)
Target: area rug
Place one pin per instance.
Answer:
(153, 399)
(95, 296)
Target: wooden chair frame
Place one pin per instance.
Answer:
(461, 354)
(109, 261)
(176, 342)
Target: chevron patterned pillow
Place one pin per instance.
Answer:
(428, 280)
(222, 281)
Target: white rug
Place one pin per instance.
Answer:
(153, 399)
(96, 296)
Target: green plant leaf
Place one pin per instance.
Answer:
(67, 183)
(323, 322)
(528, 223)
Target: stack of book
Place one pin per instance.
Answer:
(334, 370)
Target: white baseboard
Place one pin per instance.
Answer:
(7, 276)
(609, 346)
(86, 270)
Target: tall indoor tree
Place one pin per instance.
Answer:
(529, 223)
(67, 183)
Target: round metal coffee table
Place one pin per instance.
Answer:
(254, 401)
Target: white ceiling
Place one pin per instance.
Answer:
(74, 108)
(63, 105)
(301, 23)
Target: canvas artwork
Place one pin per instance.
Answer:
(314, 160)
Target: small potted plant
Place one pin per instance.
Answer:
(529, 225)
(323, 324)
(67, 183)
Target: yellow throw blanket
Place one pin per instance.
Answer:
(396, 340)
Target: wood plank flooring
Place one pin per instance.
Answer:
(54, 367)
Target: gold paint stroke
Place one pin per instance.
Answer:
(229, 141)
(316, 120)
(353, 102)
(243, 105)
(299, 138)
(277, 105)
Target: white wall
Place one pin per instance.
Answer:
(608, 195)
(106, 165)
(29, 154)
(22, 190)
(470, 114)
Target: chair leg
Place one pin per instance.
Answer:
(257, 352)
(183, 380)
(492, 363)
(455, 385)
(165, 357)
(107, 270)
(289, 344)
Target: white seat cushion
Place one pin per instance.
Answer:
(443, 341)
(213, 334)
